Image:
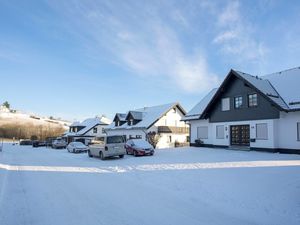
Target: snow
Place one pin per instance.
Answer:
(148, 115)
(175, 186)
(140, 143)
(287, 84)
(88, 124)
(197, 111)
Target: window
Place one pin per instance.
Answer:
(202, 132)
(298, 131)
(225, 104)
(95, 130)
(103, 130)
(138, 136)
(238, 102)
(220, 132)
(252, 100)
(170, 139)
(130, 122)
(115, 139)
(262, 131)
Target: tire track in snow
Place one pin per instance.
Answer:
(154, 167)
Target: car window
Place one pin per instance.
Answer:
(99, 140)
(115, 139)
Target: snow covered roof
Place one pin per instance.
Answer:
(121, 116)
(88, 124)
(135, 114)
(281, 88)
(287, 84)
(148, 116)
(197, 111)
(266, 87)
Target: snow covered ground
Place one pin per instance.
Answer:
(42, 186)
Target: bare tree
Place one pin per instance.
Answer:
(153, 138)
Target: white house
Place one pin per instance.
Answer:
(4, 109)
(250, 112)
(88, 129)
(164, 120)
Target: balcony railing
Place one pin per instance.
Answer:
(174, 130)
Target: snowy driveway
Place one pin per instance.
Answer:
(182, 186)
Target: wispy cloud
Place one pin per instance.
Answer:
(236, 36)
(140, 39)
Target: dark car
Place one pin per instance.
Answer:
(25, 142)
(138, 147)
(37, 144)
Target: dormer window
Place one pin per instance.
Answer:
(130, 122)
(117, 123)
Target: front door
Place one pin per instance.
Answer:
(240, 135)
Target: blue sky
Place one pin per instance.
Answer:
(75, 59)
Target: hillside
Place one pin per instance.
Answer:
(24, 125)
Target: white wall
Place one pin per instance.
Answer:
(269, 143)
(99, 131)
(287, 130)
(171, 119)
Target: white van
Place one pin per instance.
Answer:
(108, 146)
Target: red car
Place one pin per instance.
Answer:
(138, 147)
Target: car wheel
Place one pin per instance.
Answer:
(101, 156)
(135, 153)
(89, 153)
(121, 156)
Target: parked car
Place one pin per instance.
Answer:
(107, 147)
(25, 142)
(138, 147)
(59, 143)
(49, 141)
(76, 147)
(37, 144)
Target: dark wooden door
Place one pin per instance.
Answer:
(240, 135)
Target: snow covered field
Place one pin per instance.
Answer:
(176, 186)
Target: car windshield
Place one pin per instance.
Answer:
(141, 143)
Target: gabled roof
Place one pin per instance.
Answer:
(135, 114)
(281, 89)
(148, 116)
(197, 111)
(120, 116)
(88, 124)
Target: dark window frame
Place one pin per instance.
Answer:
(95, 130)
(234, 102)
(298, 131)
(252, 106)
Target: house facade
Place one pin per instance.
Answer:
(163, 120)
(250, 112)
(86, 130)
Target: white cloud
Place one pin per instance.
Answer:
(236, 36)
(141, 40)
